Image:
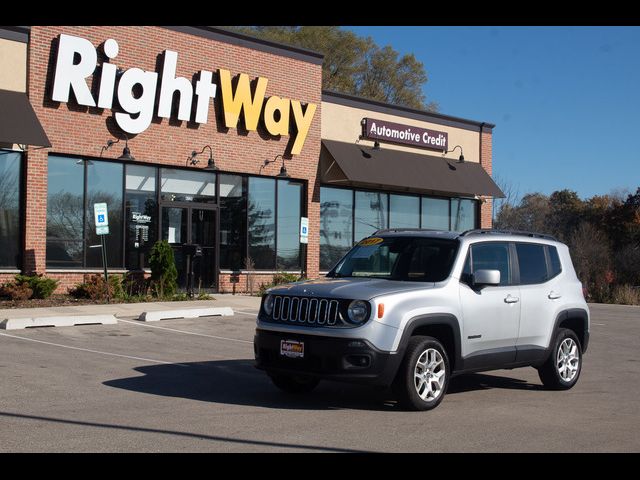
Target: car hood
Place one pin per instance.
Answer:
(351, 288)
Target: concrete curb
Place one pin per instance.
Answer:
(185, 313)
(66, 321)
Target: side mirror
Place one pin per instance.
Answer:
(484, 278)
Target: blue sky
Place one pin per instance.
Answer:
(565, 100)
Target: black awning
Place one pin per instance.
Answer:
(398, 170)
(18, 122)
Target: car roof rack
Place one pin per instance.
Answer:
(389, 230)
(484, 231)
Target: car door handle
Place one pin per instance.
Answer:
(553, 295)
(510, 299)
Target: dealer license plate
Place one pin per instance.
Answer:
(292, 348)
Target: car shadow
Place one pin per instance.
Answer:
(238, 382)
(479, 381)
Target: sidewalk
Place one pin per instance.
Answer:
(236, 302)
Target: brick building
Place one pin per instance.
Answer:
(200, 136)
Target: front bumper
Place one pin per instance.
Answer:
(331, 358)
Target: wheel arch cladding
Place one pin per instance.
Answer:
(575, 319)
(443, 327)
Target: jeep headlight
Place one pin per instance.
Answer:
(268, 304)
(358, 312)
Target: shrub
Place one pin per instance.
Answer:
(41, 286)
(626, 295)
(94, 288)
(25, 287)
(278, 279)
(163, 269)
(16, 291)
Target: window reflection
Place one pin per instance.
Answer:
(10, 174)
(435, 213)
(288, 234)
(404, 211)
(371, 213)
(336, 220)
(104, 184)
(463, 214)
(261, 220)
(187, 186)
(141, 214)
(65, 212)
(233, 221)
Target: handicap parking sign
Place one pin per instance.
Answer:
(304, 229)
(101, 217)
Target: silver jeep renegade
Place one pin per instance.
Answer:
(412, 308)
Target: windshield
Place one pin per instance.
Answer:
(415, 259)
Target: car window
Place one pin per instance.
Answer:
(556, 268)
(532, 263)
(416, 259)
(492, 256)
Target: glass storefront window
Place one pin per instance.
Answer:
(10, 175)
(288, 225)
(404, 211)
(463, 214)
(65, 212)
(141, 214)
(187, 186)
(233, 221)
(336, 221)
(435, 213)
(104, 184)
(261, 222)
(370, 213)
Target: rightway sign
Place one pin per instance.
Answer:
(101, 217)
(404, 134)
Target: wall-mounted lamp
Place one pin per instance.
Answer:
(211, 165)
(461, 158)
(480, 198)
(126, 153)
(376, 145)
(283, 170)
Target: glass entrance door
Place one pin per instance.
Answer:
(192, 225)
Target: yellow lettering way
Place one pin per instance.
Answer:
(303, 122)
(233, 104)
(279, 127)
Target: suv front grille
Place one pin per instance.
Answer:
(307, 311)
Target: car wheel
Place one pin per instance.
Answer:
(294, 384)
(423, 378)
(562, 368)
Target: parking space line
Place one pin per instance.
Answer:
(183, 331)
(246, 313)
(94, 351)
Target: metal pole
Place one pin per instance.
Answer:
(104, 264)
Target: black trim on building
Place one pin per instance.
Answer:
(407, 112)
(239, 39)
(16, 34)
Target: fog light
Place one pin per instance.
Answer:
(360, 361)
(356, 344)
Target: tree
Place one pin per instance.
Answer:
(356, 65)
(531, 214)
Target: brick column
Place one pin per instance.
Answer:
(35, 228)
(486, 209)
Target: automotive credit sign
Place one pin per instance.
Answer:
(386, 131)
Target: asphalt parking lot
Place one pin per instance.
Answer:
(190, 386)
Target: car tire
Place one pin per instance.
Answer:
(423, 377)
(294, 384)
(562, 369)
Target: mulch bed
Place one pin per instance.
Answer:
(53, 301)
